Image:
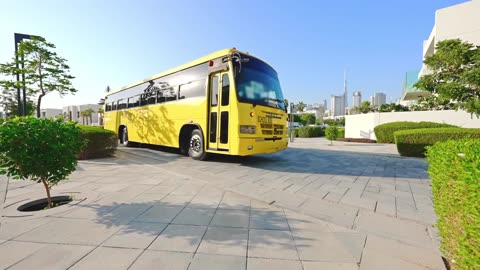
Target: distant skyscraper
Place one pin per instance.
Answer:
(325, 103)
(345, 94)
(357, 99)
(378, 99)
(337, 105)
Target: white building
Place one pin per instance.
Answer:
(357, 98)
(317, 109)
(459, 21)
(73, 113)
(337, 104)
(50, 113)
(378, 99)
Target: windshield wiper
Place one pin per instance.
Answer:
(275, 99)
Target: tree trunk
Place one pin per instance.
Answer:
(47, 189)
(39, 102)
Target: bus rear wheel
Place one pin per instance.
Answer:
(196, 149)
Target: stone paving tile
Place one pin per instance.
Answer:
(390, 227)
(135, 235)
(194, 216)
(108, 258)
(217, 262)
(160, 214)
(329, 266)
(376, 261)
(230, 218)
(73, 231)
(9, 230)
(205, 201)
(176, 200)
(53, 257)
(261, 264)
(428, 258)
(330, 212)
(153, 259)
(149, 198)
(329, 247)
(12, 252)
(182, 238)
(268, 219)
(271, 244)
(224, 241)
(163, 189)
(234, 201)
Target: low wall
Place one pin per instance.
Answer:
(362, 125)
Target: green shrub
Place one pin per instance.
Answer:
(384, 132)
(454, 167)
(341, 133)
(39, 149)
(99, 142)
(309, 132)
(412, 143)
(331, 133)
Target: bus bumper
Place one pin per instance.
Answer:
(255, 146)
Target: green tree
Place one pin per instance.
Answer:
(300, 106)
(44, 70)
(455, 74)
(308, 119)
(39, 149)
(9, 104)
(365, 107)
(331, 133)
(100, 112)
(84, 116)
(88, 114)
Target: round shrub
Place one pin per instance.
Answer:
(384, 132)
(99, 142)
(412, 143)
(341, 133)
(454, 167)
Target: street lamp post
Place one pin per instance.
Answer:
(22, 110)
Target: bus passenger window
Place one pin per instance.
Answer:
(108, 107)
(225, 90)
(214, 91)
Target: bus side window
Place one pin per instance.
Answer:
(114, 106)
(108, 107)
(214, 88)
(225, 90)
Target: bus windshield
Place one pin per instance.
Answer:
(257, 83)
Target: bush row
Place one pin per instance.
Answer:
(308, 132)
(454, 167)
(99, 142)
(384, 132)
(412, 142)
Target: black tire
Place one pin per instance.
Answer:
(196, 146)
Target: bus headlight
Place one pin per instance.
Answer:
(248, 129)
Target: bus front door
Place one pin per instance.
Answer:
(219, 105)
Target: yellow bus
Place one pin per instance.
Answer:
(227, 102)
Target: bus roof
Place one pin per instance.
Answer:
(181, 67)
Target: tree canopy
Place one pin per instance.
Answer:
(44, 71)
(454, 74)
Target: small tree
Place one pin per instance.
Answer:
(100, 112)
(44, 70)
(365, 107)
(331, 133)
(455, 74)
(9, 103)
(88, 114)
(83, 114)
(39, 149)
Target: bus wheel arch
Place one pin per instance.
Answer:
(187, 133)
(123, 135)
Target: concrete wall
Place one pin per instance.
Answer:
(75, 110)
(50, 113)
(362, 125)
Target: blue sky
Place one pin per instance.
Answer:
(308, 42)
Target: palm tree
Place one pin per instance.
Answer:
(100, 112)
(84, 115)
(301, 106)
(88, 114)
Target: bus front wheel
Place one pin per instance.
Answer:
(196, 149)
(124, 137)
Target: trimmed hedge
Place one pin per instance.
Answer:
(309, 132)
(99, 142)
(412, 143)
(384, 132)
(454, 167)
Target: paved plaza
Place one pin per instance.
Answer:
(348, 206)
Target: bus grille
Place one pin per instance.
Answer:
(270, 129)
